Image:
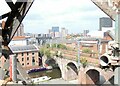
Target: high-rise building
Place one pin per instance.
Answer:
(104, 22)
(55, 29)
(20, 31)
(64, 32)
(54, 32)
(85, 32)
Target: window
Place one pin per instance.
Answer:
(27, 58)
(33, 61)
(27, 53)
(27, 63)
(32, 53)
(22, 54)
(22, 64)
(22, 59)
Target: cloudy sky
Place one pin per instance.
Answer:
(74, 15)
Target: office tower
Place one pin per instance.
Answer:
(105, 22)
(64, 32)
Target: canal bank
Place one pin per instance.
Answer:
(53, 73)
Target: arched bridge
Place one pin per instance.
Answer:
(69, 68)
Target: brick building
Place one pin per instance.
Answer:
(93, 45)
(27, 56)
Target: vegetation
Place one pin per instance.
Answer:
(87, 50)
(47, 45)
(58, 54)
(84, 62)
(41, 52)
(60, 46)
(44, 51)
(48, 53)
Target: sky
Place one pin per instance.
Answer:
(74, 15)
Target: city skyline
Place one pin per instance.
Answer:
(74, 15)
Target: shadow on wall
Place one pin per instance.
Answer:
(73, 67)
(92, 76)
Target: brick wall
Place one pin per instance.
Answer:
(27, 62)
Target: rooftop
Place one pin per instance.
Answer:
(19, 38)
(27, 48)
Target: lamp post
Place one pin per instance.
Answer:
(99, 43)
(78, 45)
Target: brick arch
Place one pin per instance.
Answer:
(57, 65)
(106, 75)
(73, 66)
(94, 68)
(92, 76)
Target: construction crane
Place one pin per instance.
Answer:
(9, 28)
(112, 9)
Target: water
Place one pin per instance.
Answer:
(54, 73)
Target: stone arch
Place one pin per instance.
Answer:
(51, 62)
(73, 67)
(92, 76)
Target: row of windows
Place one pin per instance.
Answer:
(27, 54)
(28, 58)
(33, 63)
(23, 64)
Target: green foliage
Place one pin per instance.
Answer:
(44, 51)
(61, 55)
(48, 53)
(87, 50)
(60, 46)
(41, 52)
(53, 45)
(84, 62)
(58, 54)
(47, 45)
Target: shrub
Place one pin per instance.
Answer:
(48, 53)
(41, 52)
(47, 45)
(84, 62)
(87, 50)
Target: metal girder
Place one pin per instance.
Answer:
(10, 4)
(5, 15)
(15, 17)
(104, 6)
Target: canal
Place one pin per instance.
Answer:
(53, 73)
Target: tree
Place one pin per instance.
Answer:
(41, 52)
(48, 53)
